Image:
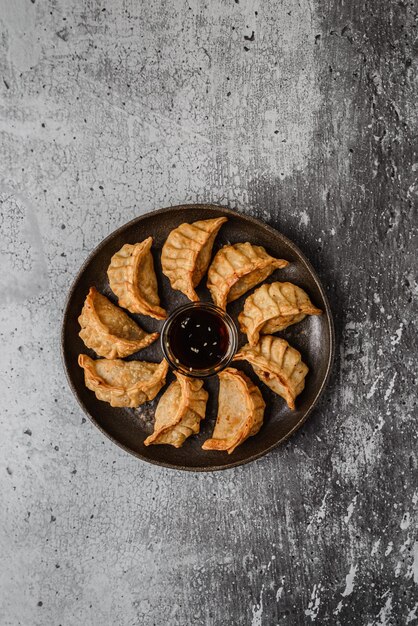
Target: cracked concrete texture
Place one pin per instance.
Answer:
(302, 114)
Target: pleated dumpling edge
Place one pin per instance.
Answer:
(108, 330)
(123, 383)
(273, 307)
(179, 412)
(133, 280)
(278, 365)
(238, 267)
(186, 254)
(240, 411)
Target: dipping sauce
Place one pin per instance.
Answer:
(199, 339)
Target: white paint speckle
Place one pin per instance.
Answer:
(315, 601)
(413, 571)
(373, 388)
(258, 610)
(304, 218)
(350, 510)
(390, 387)
(396, 338)
(380, 423)
(405, 545)
(280, 590)
(406, 521)
(385, 613)
(375, 547)
(349, 581)
(319, 515)
(389, 548)
(412, 615)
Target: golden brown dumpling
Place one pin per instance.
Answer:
(108, 330)
(132, 278)
(179, 412)
(278, 365)
(240, 411)
(274, 307)
(186, 254)
(123, 383)
(236, 269)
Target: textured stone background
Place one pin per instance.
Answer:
(304, 114)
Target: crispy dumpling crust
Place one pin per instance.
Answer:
(179, 412)
(108, 330)
(240, 411)
(132, 279)
(237, 268)
(272, 308)
(278, 365)
(123, 383)
(186, 254)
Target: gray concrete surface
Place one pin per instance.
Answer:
(302, 113)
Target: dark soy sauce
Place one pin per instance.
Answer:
(198, 339)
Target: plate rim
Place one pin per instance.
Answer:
(258, 223)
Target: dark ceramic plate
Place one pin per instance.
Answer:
(129, 427)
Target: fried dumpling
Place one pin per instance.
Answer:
(186, 254)
(278, 365)
(108, 330)
(132, 279)
(179, 412)
(240, 411)
(123, 383)
(236, 269)
(274, 307)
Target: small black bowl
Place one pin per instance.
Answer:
(181, 356)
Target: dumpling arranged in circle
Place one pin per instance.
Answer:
(179, 412)
(272, 308)
(108, 330)
(238, 267)
(132, 279)
(123, 383)
(186, 254)
(278, 365)
(240, 411)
